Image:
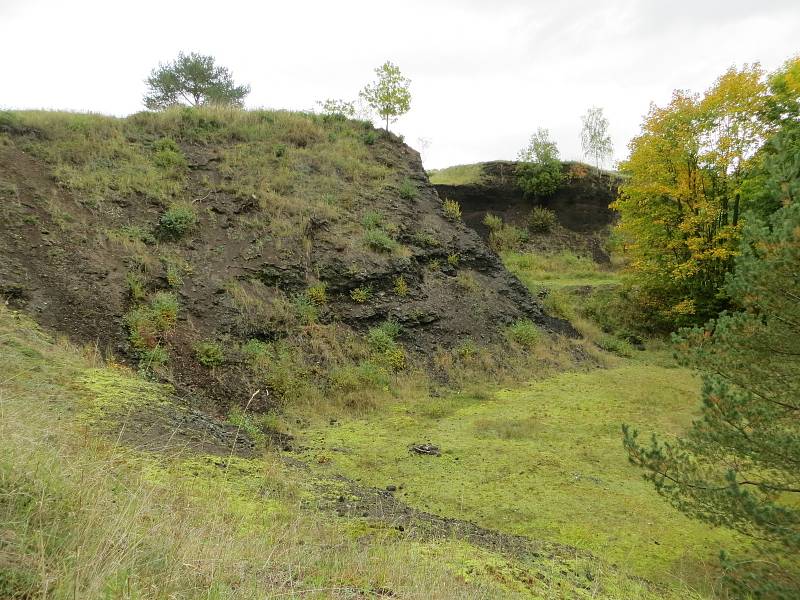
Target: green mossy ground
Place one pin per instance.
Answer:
(544, 460)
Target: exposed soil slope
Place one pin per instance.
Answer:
(295, 223)
(581, 205)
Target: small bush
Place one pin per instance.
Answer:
(453, 260)
(541, 220)
(318, 294)
(524, 333)
(408, 191)
(279, 150)
(136, 286)
(452, 209)
(209, 354)
(400, 286)
(467, 281)
(379, 241)
(365, 375)
(395, 358)
(174, 269)
(508, 237)
(493, 222)
(148, 326)
(372, 220)
(305, 310)
(168, 155)
(153, 357)
(360, 294)
(370, 138)
(540, 179)
(613, 344)
(255, 426)
(178, 220)
(254, 349)
(426, 239)
(382, 337)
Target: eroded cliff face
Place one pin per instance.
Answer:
(581, 204)
(294, 215)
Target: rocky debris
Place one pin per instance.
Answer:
(427, 449)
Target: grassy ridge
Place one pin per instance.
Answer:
(457, 175)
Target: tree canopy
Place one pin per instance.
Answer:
(595, 141)
(683, 194)
(389, 94)
(539, 169)
(193, 79)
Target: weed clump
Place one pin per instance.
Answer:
(493, 222)
(360, 295)
(541, 220)
(178, 220)
(507, 237)
(372, 219)
(452, 209)
(149, 325)
(318, 294)
(209, 354)
(382, 337)
(167, 155)
(400, 286)
(407, 191)
(379, 241)
(524, 333)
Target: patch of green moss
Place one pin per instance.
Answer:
(112, 392)
(544, 461)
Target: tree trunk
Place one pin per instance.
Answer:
(387, 123)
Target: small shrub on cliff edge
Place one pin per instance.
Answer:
(408, 191)
(452, 209)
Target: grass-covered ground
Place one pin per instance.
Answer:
(560, 269)
(457, 175)
(85, 515)
(545, 459)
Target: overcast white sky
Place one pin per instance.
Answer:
(485, 74)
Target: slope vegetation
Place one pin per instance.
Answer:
(230, 251)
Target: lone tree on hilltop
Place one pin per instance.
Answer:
(595, 140)
(388, 95)
(539, 169)
(194, 79)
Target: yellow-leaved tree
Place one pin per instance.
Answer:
(681, 202)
